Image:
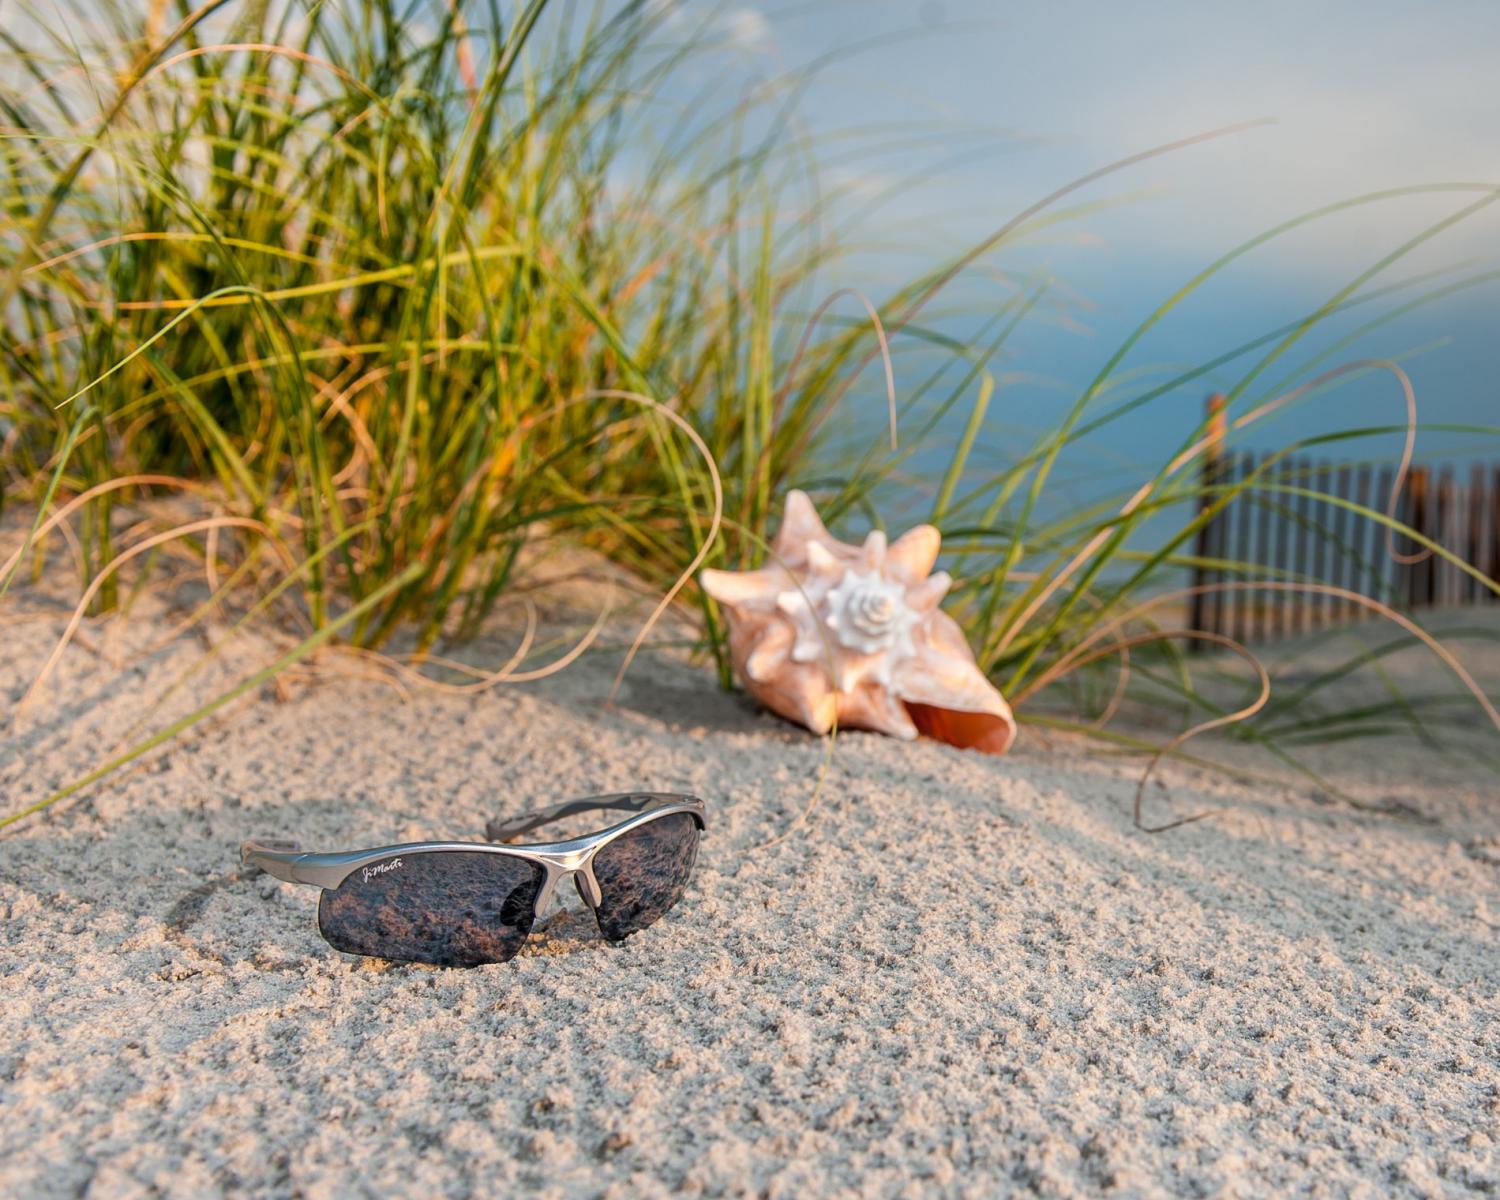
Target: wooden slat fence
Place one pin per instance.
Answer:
(1287, 534)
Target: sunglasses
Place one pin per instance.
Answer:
(459, 904)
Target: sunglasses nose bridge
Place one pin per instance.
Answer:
(577, 865)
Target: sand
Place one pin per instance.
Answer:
(958, 976)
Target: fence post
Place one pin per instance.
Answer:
(1388, 583)
(1447, 513)
(1302, 555)
(1419, 573)
(1493, 557)
(1279, 598)
(1320, 604)
(1474, 547)
(1262, 597)
(1365, 554)
(1208, 608)
(1339, 571)
(1237, 622)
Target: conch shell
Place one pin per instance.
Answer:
(827, 631)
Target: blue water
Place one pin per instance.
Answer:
(1447, 349)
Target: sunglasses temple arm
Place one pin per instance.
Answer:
(502, 830)
(276, 858)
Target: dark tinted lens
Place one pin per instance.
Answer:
(452, 908)
(642, 873)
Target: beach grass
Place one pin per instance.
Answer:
(344, 307)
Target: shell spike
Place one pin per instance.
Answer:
(930, 591)
(913, 554)
(800, 526)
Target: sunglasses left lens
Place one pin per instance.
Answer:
(451, 908)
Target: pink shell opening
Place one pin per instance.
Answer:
(980, 731)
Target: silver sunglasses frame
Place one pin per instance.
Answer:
(570, 859)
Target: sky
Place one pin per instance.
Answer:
(1015, 99)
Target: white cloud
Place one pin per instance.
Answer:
(748, 29)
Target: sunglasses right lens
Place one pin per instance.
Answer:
(450, 908)
(643, 873)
